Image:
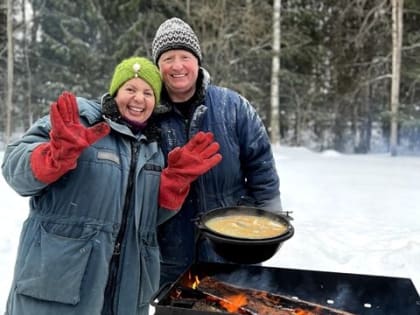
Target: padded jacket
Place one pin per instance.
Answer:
(65, 256)
(246, 175)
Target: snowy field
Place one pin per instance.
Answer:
(352, 213)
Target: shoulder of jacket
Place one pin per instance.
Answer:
(89, 109)
(226, 95)
(217, 90)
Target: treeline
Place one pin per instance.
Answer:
(335, 60)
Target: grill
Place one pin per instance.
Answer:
(324, 293)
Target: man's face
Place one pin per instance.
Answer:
(179, 70)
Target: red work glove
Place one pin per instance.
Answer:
(68, 138)
(184, 166)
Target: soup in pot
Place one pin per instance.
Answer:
(246, 226)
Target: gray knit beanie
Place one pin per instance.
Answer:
(175, 34)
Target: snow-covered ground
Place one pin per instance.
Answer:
(352, 213)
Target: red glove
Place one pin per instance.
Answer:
(51, 160)
(184, 166)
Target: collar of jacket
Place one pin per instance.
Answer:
(203, 82)
(89, 110)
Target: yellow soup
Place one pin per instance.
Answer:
(246, 226)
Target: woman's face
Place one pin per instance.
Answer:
(179, 70)
(135, 100)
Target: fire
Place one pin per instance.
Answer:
(300, 311)
(193, 281)
(234, 302)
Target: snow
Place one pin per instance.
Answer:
(352, 213)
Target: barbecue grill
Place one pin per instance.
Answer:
(334, 293)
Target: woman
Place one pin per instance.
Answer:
(94, 174)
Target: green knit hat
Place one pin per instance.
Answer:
(136, 67)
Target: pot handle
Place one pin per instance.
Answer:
(286, 214)
(160, 293)
(198, 222)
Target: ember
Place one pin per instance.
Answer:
(211, 288)
(238, 300)
(303, 312)
(233, 303)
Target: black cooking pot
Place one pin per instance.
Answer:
(244, 250)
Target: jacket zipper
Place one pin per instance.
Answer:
(116, 257)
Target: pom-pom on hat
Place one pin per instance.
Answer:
(136, 67)
(175, 34)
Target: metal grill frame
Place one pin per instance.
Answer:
(357, 293)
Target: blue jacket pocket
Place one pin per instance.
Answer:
(54, 268)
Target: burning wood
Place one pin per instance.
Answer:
(257, 302)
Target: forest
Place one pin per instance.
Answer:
(342, 82)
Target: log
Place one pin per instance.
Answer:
(196, 299)
(202, 305)
(259, 302)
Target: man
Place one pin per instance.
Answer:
(190, 103)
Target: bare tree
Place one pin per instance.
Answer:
(10, 55)
(28, 76)
(397, 26)
(188, 5)
(275, 71)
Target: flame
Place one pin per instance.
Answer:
(300, 311)
(192, 281)
(234, 302)
(195, 283)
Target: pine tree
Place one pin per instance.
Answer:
(80, 44)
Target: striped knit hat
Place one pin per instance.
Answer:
(175, 34)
